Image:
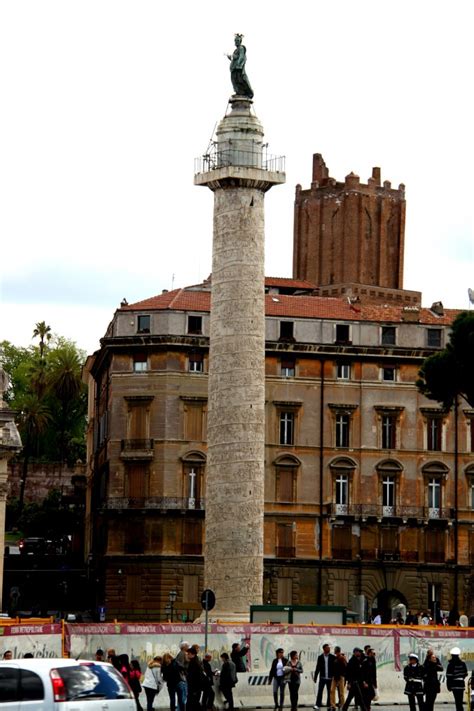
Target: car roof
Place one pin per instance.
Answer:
(48, 663)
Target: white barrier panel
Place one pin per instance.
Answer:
(392, 646)
(39, 640)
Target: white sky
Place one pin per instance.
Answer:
(105, 104)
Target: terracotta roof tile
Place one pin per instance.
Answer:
(285, 306)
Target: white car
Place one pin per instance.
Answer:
(62, 684)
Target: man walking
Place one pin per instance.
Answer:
(338, 680)
(325, 671)
(355, 678)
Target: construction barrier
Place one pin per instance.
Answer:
(142, 641)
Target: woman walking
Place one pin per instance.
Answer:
(135, 676)
(277, 678)
(431, 666)
(295, 671)
(414, 674)
(152, 682)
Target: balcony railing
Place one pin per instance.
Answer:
(191, 548)
(133, 445)
(285, 552)
(435, 557)
(342, 553)
(120, 503)
(226, 157)
(379, 511)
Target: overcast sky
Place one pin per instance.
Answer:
(105, 105)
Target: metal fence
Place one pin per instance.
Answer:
(223, 158)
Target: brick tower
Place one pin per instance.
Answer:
(350, 232)
(239, 174)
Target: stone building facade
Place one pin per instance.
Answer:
(369, 486)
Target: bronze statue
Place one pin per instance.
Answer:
(238, 76)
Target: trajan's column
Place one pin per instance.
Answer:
(239, 173)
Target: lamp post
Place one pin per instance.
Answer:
(172, 599)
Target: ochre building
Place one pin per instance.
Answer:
(369, 486)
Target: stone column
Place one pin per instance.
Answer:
(10, 444)
(238, 175)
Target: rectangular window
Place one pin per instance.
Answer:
(342, 494)
(434, 546)
(389, 543)
(195, 421)
(342, 430)
(389, 374)
(434, 433)
(190, 588)
(288, 367)
(286, 330)
(285, 541)
(134, 534)
(434, 498)
(192, 538)
(472, 495)
(195, 324)
(138, 421)
(388, 337)
(433, 337)
(196, 363)
(470, 426)
(342, 542)
(287, 427)
(140, 364)
(388, 496)
(285, 485)
(342, 333)
(137, 479)
(389, 431)
(143, 324)
(133, 588)
(284, 591)
(343, 371)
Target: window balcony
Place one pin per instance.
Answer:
(285, 552)
(435, 557)
(137, 449)
(342, 553)
(121, 503)
(389, 555)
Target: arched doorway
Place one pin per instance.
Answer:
(385, 601)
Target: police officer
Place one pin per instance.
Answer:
(456, 673)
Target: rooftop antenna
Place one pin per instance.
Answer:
(172, 282)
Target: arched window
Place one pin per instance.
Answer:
(194, 465)
(435, 474)
(342, 470)
(389, 471)
(286, 478)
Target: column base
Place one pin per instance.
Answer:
(223, 616)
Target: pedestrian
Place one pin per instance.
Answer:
(431, 666)
(175, 677)
(355, 679)
(371, 666)
(182, 657)
(377, 618)
(338, 680)
(227, 680)
(208, 694)
(456, 673)
(135, 676)
(294, 678)
(325, 671)
(124, 666)
(152, 681)
(195, 679)
(237, 654)
(111, 653)
(100, 656)
(277, 678)
(7, 655)
(414, 675)
(28, 655)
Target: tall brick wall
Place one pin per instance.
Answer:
(350, 231)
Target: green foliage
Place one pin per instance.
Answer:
(50, 518)
(450, 373)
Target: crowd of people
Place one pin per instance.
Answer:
(424, 617)
(190, 680)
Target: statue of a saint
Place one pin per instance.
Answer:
(238, 76)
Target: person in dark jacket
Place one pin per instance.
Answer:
(294, 678)
(175, 676)
(339, 679)
(325, 671)
(355, 679)
(195, 678)
(227, 679)
(135, 675)
(431, 666)
(414, 675)
(277, 678)
(208, 694)
(237, 654)
(456, 673)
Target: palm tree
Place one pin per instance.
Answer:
(65, 382)
(34, 418)
(44, 333)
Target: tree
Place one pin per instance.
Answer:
(34, 418)
(450, 373)
(44, 333)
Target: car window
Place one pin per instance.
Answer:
(9, 678)
(31, 686)
(93, 680)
